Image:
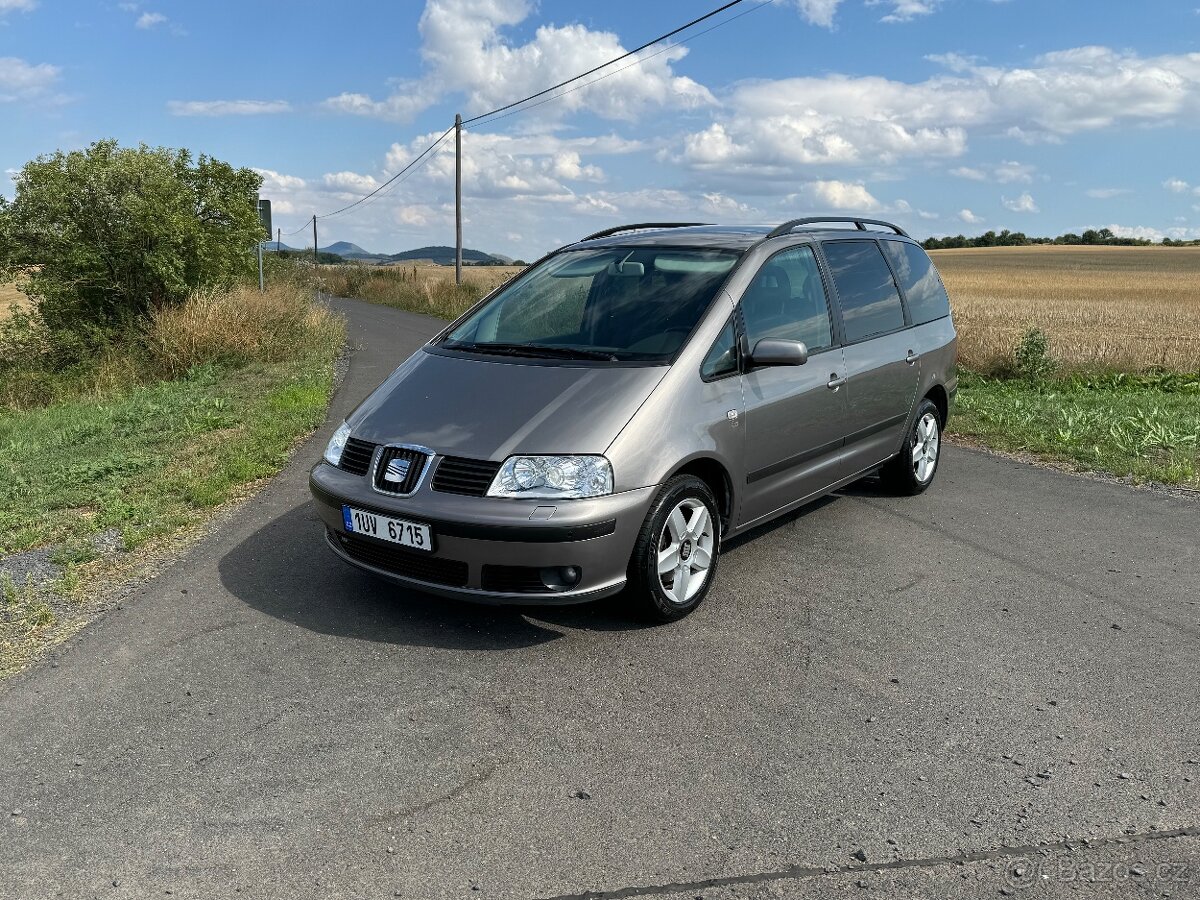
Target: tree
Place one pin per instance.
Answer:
(104, 234)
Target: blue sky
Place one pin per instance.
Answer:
(946, 116)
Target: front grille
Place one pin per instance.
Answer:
(356, 456)
(472, 477)
(399, 469)
(513, 580)
(409, 563)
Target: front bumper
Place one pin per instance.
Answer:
(596, 535)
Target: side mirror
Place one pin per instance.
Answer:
(775, 352)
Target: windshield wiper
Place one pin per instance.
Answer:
(535, 350)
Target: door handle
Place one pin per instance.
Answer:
(911, 358)
(835, 382)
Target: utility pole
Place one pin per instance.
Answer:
(261, 286)
(314, 239)
(458, 199)
(278, 235)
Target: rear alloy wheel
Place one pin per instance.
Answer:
(675, 557)
(912, 470)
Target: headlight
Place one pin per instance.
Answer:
(564, 477)
(337, 443)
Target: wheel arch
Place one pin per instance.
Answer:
(713, 473)
(937, 394)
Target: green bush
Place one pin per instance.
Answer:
(106, 234)
(1031, 357)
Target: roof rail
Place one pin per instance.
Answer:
(860, 224)
(609, 231)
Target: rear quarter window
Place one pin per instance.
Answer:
(867, 293)
(922, 285)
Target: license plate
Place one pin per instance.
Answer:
(398, 531)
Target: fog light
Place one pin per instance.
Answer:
(561, 578)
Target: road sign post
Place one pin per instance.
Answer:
(264, 216)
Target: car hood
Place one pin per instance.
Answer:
(491, 408)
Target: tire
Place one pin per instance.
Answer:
(906, 473)
(696, 542)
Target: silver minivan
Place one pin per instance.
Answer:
(607, 419)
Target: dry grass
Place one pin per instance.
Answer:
(237, 326)
(9, 295)
(485, 276)
(1129, 309)
(424, 289)
(223, 327)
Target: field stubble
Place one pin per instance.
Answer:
(1115, 309)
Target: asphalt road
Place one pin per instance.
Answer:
(945, 683)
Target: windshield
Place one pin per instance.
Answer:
(614, 304)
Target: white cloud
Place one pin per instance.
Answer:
(276, 182)
(818, 12)
(1138, 231)
(465, 51)
(1006, 172)
(773, 126)
(566, 165)
(842, 195)
(533, 168)
(969, 217)
(21, 81)
(1023, 203)
(906, 10)
(822, 12)
(7, 6)
(1010, 172)
(349, 182)
(1106, 193)
(401, 106)
(1179, 186)
(149, 20)
(227, 107)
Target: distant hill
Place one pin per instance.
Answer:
(349, 250)
(441, 255)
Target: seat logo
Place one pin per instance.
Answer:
(397, 470)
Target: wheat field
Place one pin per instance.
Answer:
(10, 295)
(1129, 309)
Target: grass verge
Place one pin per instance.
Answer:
(1146, 428)
(221, 391)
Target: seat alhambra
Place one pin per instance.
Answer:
(607, 419)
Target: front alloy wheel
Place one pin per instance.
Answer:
(674, 559)
(685, 551)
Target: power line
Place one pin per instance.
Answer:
(636, 62)
(307, 222)
(510, 109)
(422, 155)
(616, 59)
(386, 188)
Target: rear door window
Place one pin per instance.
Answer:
(867, 293)
(922, 285)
